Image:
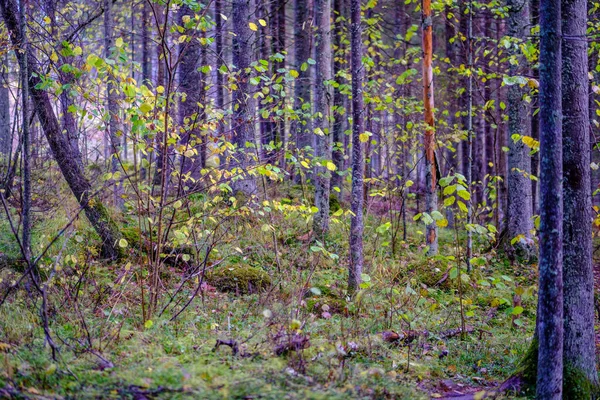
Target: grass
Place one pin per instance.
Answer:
(90, 302)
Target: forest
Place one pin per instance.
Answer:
(299, 199)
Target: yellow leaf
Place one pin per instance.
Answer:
(47, 20)
(331, 166)
(123, 243)
(253, 26)
(185, 19)
(160, 89)
(363, 137)
(294, 73)
(262, 22)
(148, 324)
(119, 42)
(54, 57)
(77, 51)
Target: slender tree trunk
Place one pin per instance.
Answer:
(519, 212)
(358, 158)
(220, 101)
(301, 129)
(112, 106)
(323, 99)
(579, 340)
(26, 202)
(6, 136)
(242, 117)
(340, 19)
(550, 297)
(429, 139)
(59, 144)
(146, 79)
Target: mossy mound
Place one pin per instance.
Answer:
(334, 203)
(239, 279)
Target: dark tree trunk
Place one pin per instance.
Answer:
(301, 129)
(242, 117)
(5, 126)
(519, 212)
(60, 146)
(358, 160)
(550, 297)
(579, 340)
(323, 98)
(191, 82)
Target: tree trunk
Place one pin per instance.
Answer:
(519, 212)
(242, 117)
(579, 340)
(60, 146)
(358, 158)
(5, 131)
(340, 18)
(191, 82)
(24, 69)
(301, 128)
(112, 106)
(323, 98)
(550, 297)
(429, 139)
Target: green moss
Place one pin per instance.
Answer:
(240, 279)
(528, 366)
(334, 203)
(576, 385)
(132, 235)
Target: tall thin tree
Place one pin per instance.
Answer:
(323, 98)
(358, 157)
(550, 297)
(429, 138)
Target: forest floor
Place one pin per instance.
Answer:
(299, 338)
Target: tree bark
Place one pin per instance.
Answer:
(5, 131)
(550, 297)
(340, 18)
(191, 110)
(243, 125)
(112, 127)
(519, 212)
(429, 138)
(358, 158)
(323, 98)
(579, 340)
(301, 128)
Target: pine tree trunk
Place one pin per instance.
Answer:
(358, 160)
(323, 98)
(429, 138)
(550, 297)
(579, 340)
